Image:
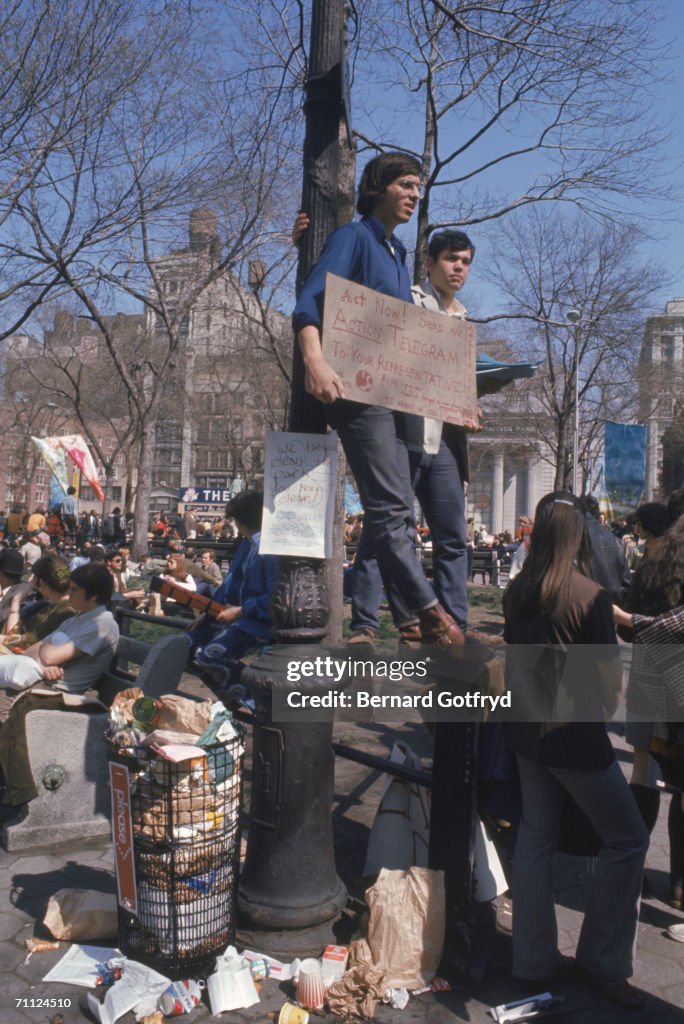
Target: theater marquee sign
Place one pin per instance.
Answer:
(398, 355)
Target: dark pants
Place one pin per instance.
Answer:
(374, 441)
(438, 487)
(224, 646)
(608, 932)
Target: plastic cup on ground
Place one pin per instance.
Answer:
(291, 1014)
(310, 987)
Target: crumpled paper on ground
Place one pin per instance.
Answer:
(138, 989)
(361, 989)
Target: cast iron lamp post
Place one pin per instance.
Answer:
(290, 894)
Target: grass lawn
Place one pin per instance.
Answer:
(481, 598)
(150, 632)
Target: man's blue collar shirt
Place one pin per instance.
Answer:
(360, 252)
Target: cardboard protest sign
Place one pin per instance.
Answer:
(300, 475)
(397, 355)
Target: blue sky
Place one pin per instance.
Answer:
(665, 228)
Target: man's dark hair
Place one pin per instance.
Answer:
(454, 241)
(380, 172)
(71, 490)
(653, 517)
(247, 507)
(206, 551)
(590, 505)
(96, 580)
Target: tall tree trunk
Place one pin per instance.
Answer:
(328, 198)
(144, 490)
(423, 220)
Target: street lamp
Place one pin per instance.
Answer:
(574, 317)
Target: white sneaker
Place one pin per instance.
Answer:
(676, 932)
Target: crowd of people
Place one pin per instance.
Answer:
(571, 582)
(183, 568)
(573, 579)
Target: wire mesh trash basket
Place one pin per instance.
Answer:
(177, 847)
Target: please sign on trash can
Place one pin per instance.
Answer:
(175, 826)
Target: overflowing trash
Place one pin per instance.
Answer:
(351, 988)
(175, 773)
(175, 777)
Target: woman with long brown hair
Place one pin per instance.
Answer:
(565, 672)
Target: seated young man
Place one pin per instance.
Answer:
(208, 573)
(244, 625)
(75, 656)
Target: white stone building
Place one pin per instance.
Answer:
(661, 387)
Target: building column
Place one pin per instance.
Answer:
(497, 492)
(652, 445)
(187, 478)
(533, 494)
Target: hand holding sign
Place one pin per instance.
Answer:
(391, 353)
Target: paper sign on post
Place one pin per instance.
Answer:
(400, 356)
(300, 475)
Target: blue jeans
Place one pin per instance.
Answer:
(439, 489)
(374, 442)
(606, 942)
(224, 646)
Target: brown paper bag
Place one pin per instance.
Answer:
(406, 927)
(184, 715)
(82, 915)
(124, 701)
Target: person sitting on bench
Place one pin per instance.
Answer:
(75, 656)
(244, 625)
(45, 614)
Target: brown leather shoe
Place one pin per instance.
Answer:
(364, 637)
(410, 637)
(438, 627)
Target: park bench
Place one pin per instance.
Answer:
(68, 752)
(223, 550)
(486, 562)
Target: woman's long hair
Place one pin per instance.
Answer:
(180, 572)
(559, 544)
(659, 580)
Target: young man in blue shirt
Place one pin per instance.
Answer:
(376, 440)
(439, 462)
(244, 625)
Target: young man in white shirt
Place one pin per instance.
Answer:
(439, 461)
(79, 652)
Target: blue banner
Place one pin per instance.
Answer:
(625, 464)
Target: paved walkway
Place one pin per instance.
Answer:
(26, 881)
